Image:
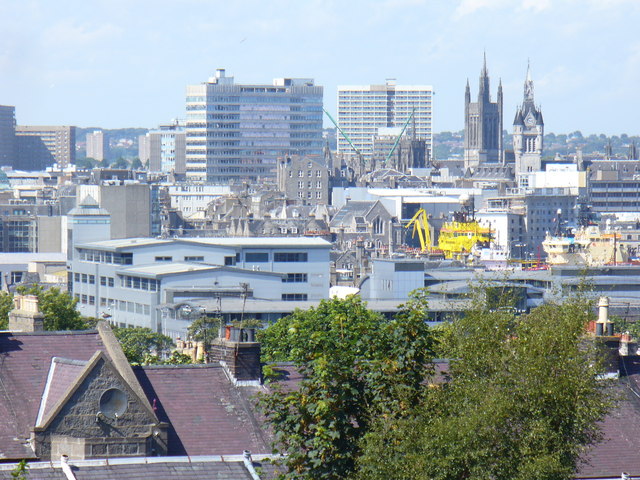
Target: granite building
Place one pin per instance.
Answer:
(482, 124)
(528, 132)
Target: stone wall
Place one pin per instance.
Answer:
(81, 428)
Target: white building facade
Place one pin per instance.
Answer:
(128, 281)
(364, 109)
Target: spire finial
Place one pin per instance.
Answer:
(528, 70)
(484, 64)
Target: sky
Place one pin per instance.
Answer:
(126, 63)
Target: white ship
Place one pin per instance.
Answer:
(589, 246)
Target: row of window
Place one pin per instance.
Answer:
(301, 195)
(86, 299)
(263, 257)
(295, 278)
(294, 297)
(99, 256)
(84, 278)
(139, 283)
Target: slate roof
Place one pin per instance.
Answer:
(155, 468)
(206, 413)
(25, 360)
(618, 451)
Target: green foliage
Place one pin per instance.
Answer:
(143, 345)
(178, 358)
(523, 401)
(204, 329)
(59, 308)
(356, 366)
(6, 305)
(136, 164)
(21, 471)
(120, 163)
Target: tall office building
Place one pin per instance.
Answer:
(95, 145)
(40, 147)
(167, 148)
(482, 124)
(7, 135)
(237, 132)
(363, 109)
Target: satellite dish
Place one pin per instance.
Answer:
(113, 403)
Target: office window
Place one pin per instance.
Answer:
(103, 281)
(76, 277)
(164, 259)
(194, 259)
(92, 300)
(290, 257)
(92, 279)
(84, 278)
(294, 297)
(230, 261)
(256, 257)
(110, 282)
(295, 278)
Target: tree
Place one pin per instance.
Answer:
(523, 401)
(204, 329)
(142, 345)
(59, 308)
(6, 305)
(120, 163)
(356, 365)
(136, 164)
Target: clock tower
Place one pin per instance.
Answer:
(528, 132)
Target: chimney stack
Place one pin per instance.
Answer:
(604, 327)
(239, 354)
(25, 316)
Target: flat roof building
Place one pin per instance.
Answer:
(365, 109)
(40, 147)
(236, 132)
(7, 135)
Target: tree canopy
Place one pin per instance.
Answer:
(144, 346)
(521, 398)
(522, 401)
(58, 308)
(356, 364)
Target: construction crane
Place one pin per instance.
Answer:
(346, 137)
(420, 224)
(404, 127)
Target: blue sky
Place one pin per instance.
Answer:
(117, 63)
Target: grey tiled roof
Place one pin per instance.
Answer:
(208, 415)
(25, 359)
(156, 468)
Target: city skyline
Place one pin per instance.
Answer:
(116, 64)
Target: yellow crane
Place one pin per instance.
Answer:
(420, 224)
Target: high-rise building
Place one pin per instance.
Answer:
(237, 132)
(40, 147)
(167, 148)
(482, 124)
(96, 145)
(7, 135)
(528, 132)
(364, 109)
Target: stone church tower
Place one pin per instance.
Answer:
(528, 132)
(482, 125)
